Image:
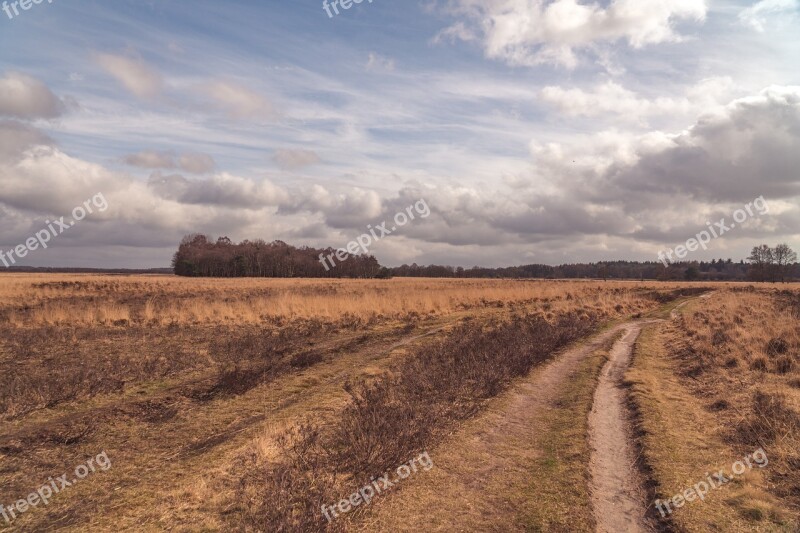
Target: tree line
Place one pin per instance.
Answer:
(201, 256)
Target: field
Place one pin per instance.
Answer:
(280, 405)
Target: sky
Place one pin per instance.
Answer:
(537, 131)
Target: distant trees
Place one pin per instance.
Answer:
(771, 264)
(714, 270)
(722, 270)
(199, 256)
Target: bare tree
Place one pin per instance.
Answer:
(784, 258)
(761, 259)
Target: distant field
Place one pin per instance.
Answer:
(244, 404)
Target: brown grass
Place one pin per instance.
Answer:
(712, 388)
(30, 300)
(179, 379)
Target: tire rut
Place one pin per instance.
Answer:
(618, 495)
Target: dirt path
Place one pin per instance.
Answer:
(478, 484)
(617, 494)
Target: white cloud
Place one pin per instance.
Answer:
(611, 98)
(240, 102)
(756, 15)
(25, 97)
(531, 32)
(134, 74)
(737, 152)
(221, 190)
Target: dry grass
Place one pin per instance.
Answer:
(711, 388)
(28, 300)
(171, 375)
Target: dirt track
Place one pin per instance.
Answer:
(617, 494)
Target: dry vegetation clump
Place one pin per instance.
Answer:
(93, 361)
(742, 353)
(396, 415)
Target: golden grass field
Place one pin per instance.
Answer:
(86, 300)
(241, 404)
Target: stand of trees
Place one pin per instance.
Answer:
(199, 256)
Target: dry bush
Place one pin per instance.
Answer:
(95, 361)
(399, 414)
(771, 418)
(759, 363)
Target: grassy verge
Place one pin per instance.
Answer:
(680, 444)
(559, 482)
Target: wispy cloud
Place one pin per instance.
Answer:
(134, 74)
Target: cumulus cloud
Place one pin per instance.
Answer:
(238, 101)
(757, 15)
(633, 193)
(289, 159)
(612, 98)
(16, 138)
(744, 150)
(25, 97)
(531, 32)
(342, 210)
(219, 190)
(142, 80)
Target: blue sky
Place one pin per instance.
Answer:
(537, 130)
